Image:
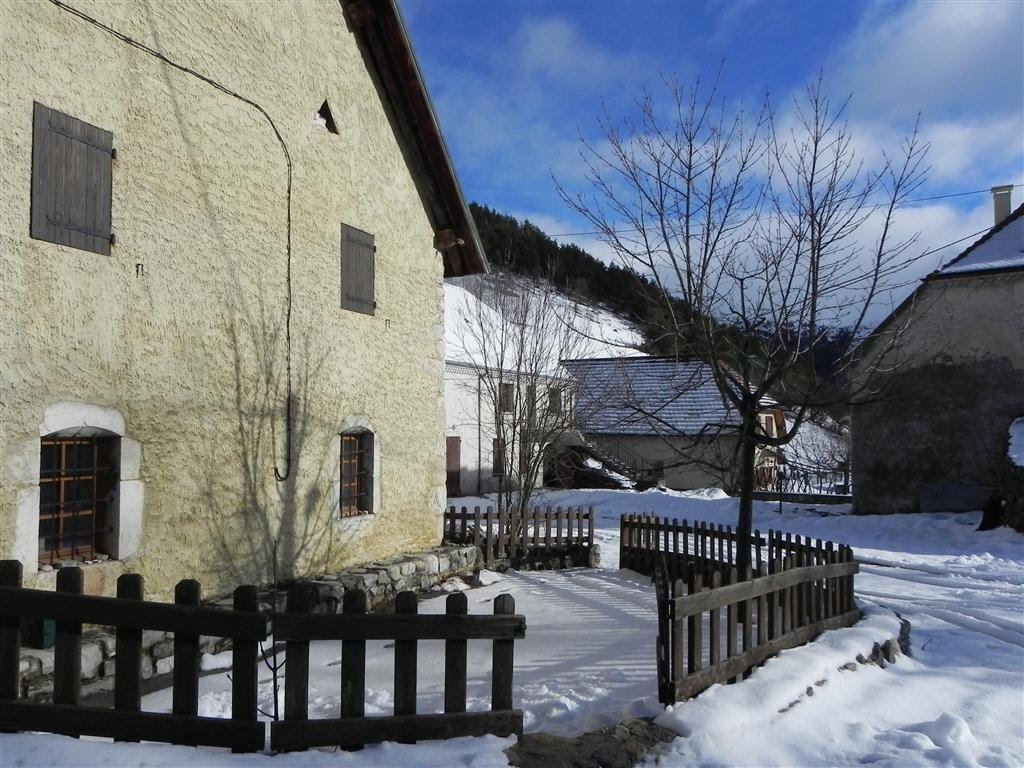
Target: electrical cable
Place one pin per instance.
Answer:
(288, 160)
(907, 202)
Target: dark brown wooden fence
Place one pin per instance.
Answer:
(715, 627)
(509, 536)
(353, 627)
(130, 615)
(647, 541)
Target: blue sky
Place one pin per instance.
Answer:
(516, 83)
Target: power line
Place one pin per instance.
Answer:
(915, 200)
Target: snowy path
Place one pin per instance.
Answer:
(588, 660)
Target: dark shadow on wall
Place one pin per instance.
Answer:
(260, 527)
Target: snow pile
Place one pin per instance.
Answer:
(1016, 447)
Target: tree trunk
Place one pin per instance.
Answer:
(745, 524)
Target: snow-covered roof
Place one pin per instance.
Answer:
(1001, 248)
(648, 396)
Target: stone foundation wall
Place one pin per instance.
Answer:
(381, 581)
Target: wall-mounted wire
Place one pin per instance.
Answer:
(278, 474)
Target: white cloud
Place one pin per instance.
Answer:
(555, 49)
(935, 57)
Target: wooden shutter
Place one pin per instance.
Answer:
(71, 181)
(453, 464)
(357, 255)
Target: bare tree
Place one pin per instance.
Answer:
(758, 234)
(515, 335)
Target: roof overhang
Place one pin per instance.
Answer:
(379, 27)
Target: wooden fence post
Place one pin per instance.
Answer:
(128, 651)
(731, 618)
(695, 636)
(185, 697)
(10, 636)
(67, 653)
(476, 527)
(244, 677)
(353, 661)
(490, 544)
(296, 660)
(457, 604)
(405, 658)
(505, 545)
(502, 655)
(714, 628)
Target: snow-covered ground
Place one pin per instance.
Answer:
(588, 659)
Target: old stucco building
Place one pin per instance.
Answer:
(223, 232)
(945, 379)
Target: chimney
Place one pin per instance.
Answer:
(1001, 201)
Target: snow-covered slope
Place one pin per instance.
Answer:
(590, 331)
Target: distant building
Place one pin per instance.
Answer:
(661, 419)
(949, 381)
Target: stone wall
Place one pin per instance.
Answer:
(936, 424)
(381, 581)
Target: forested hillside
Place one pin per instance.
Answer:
(525, 249)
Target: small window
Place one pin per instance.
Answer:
(77, 480)
(71, 181)
(506, 397)
(357, 257)
(356, 497)
(325, 119)
(555, 401)
(498, 457)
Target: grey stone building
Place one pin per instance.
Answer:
(945, 375)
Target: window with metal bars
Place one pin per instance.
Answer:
(77, 479)
(356, 496)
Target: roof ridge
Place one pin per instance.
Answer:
(1016, 214)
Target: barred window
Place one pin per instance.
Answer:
(77, 479)
(356, 497)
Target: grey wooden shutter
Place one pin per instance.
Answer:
(71, 181)
(357, 255)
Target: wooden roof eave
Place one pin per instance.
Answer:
(379, 24)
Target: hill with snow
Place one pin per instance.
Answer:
(479, 308)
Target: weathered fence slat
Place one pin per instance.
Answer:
(185, 696)
(244, 653)
(10, 635)
(405, 660)
(353, 658)
(67, 648)
(128, 650)
(456, 604)
(296, 660)
(502, 659)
